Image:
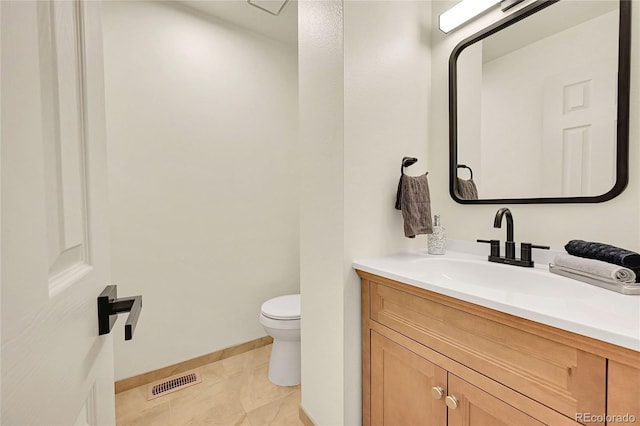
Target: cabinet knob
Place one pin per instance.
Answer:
(437, 392)
(451, 401)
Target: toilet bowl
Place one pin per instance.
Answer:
(280, 318)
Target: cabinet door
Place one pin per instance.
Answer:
(476, 407)
(401, 386)
(623, 394)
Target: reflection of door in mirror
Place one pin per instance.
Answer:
(579, 138)
(536, 104)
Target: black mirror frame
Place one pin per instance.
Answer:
(622, 145)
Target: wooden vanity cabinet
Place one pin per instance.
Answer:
(429, 359)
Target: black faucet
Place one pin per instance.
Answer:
(510, 245)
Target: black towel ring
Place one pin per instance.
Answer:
(406, 162)
(464, 166)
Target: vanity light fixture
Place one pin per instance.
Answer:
(469, 9)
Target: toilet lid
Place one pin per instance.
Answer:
(283, 307)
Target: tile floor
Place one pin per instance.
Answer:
(234, 391)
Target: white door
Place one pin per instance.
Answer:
(579, 143)
(56, 370)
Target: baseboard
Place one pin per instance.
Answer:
(181, 367)
(304, 417)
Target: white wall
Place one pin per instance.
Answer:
(614, 222)
(202, 123)
(364, 80)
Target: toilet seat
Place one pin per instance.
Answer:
(282, 308)
(278, 324)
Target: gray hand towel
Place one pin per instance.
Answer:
(595, 268)
(467, 189)
(415, 204)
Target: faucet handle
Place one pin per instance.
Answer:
(495, 246)
(525, 250)
(540, 247)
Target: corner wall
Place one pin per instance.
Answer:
(201, 127)
(364, 90)
(615, 222)
(321, 112)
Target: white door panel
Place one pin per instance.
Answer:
(579, 145)
(56, 370)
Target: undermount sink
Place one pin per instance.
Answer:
(451, 272)
(475, 274)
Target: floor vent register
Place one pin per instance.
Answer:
(173, 384)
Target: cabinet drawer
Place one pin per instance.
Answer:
(559, 376)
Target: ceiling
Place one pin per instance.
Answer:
(283, 27)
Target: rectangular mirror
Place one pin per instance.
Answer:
(539, 106)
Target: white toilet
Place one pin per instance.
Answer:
(280, 318)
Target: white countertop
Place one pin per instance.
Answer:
(536, 294)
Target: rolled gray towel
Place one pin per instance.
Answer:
(596, 268)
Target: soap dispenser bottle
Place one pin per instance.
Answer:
(436, 241)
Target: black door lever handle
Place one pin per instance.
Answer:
(109, 306)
